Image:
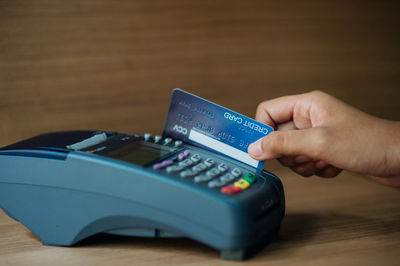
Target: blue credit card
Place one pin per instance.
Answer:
(202, 123)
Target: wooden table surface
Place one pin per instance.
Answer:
(112, 65)
(345, 221)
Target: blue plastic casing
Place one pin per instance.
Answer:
(64, 195)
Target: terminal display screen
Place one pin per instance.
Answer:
(140, 153)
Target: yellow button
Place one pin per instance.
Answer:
(243, 184)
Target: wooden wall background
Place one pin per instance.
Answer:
(112, 64)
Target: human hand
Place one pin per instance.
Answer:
(319, 134)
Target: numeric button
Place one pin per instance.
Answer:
(202, 178)
(188, 173)
(215, 183)
(223, 167)
(195, 158)
(236, 172)
(186, 163)
(227, 178)
(199, 168)
(174, 168)
(209, 162)
(213, 172)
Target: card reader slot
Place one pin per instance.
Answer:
(93, 140)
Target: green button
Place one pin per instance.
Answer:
(249, 177)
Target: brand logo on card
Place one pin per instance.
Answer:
(180, 129)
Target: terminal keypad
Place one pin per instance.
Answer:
(202, 169)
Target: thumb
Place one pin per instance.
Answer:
(309, 142)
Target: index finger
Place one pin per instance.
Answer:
(278, 110)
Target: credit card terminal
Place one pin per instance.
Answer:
(67, 186)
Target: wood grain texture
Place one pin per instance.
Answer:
(112, 65)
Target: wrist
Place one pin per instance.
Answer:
(392, 148)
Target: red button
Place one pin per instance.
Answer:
(230, 189)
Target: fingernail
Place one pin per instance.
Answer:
(255, 148)
(302, 159)
(321, 165)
